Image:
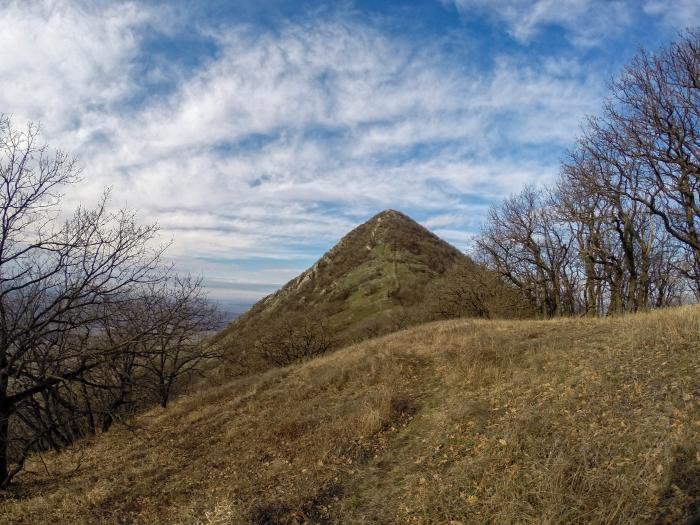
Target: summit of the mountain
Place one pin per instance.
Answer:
(387, 273)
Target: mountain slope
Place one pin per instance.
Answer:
(464, 421)
(387, 273)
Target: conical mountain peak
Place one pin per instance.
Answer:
(396, 218)
(389, 214)
(383, 265)
(382, 273)
(397, 229)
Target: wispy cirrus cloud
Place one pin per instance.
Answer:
(276, 140)
(67, 64)
(678, 14)
(585, 23)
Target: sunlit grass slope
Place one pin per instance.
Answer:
(564, 421)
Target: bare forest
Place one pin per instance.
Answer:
(93, 323)
(620, 230)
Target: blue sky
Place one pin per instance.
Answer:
(257, 133)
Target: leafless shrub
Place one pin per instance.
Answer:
(294, 340)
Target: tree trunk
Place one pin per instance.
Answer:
(107, 422)
(615, 283)
(108, 419)
(163, 390)
(696, 271)
(5, 413)
(591, 289)
(4, 445)
(556, 295)
(88, 408)
(644, 278)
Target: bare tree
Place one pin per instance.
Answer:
(616, 235)
(653, 120)
(621, 231)
(57, 280)
(464, 293)
(182, 317)
(473, 291)
(523, 242)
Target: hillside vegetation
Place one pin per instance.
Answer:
(463, 421)
(386, 274)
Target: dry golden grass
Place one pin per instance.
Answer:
(563, 421)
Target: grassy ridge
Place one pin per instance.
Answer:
(563, 421)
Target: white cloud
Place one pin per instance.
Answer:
(587, 21)
(67, 64)
(349, 119)
(678, 14)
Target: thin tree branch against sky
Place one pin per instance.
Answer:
(257, 132)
